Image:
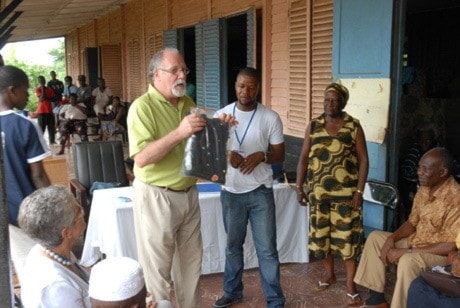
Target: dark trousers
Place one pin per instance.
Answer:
(46, 120)
(422, 295)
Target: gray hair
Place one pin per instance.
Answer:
(46, 212)
(157, 59)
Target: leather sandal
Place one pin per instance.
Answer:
(322, 286)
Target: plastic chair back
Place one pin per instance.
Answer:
(99, 162)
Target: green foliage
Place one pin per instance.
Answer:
(58, 55)
(34, 70)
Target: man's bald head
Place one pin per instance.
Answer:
(435, 167)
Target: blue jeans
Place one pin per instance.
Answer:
(257, 207)
(422, 295)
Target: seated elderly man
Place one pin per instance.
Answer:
(423, 241)
(408, 179)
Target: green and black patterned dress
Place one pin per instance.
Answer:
(332, 176)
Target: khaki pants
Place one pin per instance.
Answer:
(371, 270)
(168, 238)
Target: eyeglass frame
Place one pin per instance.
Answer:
(175, 71)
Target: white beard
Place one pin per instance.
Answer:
(179, 91)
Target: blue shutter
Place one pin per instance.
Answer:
(362, 39)
(208, 64)
(199, 65)
(170, 38)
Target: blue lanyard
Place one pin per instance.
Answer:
(240, 142)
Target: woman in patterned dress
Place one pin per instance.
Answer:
(334, 163)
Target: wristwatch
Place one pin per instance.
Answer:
(409, 250)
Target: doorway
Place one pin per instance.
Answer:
(429, 97)
(235, 43)
(431, 72)
(187, 48)
(235, 49)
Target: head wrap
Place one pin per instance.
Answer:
(116, 279)
(342, 90)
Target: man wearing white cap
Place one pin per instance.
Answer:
(119, 282)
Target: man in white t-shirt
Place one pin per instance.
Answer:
(247, 196)
(102, 96)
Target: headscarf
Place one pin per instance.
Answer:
(342, 90)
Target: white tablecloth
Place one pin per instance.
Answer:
(111, 229)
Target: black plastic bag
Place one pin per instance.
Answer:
(206, 152)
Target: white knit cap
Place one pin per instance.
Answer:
(116, 279)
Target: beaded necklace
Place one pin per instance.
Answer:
(57, 257)
(66, 262)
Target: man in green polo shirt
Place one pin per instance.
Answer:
(166, 209)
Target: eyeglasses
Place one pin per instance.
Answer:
(175, 70)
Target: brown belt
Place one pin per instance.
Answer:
(175, 190)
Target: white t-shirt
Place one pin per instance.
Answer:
(101, 99)
(72, 112)
(254, 135)
(49, 284)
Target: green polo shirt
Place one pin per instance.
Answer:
(151, 117)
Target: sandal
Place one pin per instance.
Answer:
(322, 286)
(353, 299)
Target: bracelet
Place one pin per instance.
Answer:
(265, 157)
(359, 192)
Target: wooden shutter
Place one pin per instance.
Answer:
(321, 52)
(111, 68)
(134, 69)
(310, 58)
(155, 43)
(298, 66)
